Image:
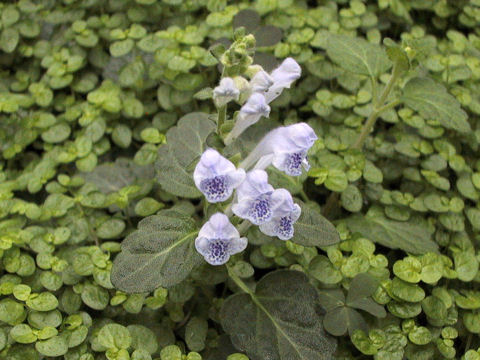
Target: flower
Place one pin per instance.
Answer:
(290, 147)
(261, 82)
(282, 225)
(216, 176)
(255, 107)
(218, 239)
(257, 201)
(225, 92)
(286, 148)
(283, 76)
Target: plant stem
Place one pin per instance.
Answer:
(244, 226)
(222, 114)
(374, 89)
(378, 108)
(238, 281)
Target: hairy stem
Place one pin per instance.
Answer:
(378, 108)
(222, 115)
(238, 281)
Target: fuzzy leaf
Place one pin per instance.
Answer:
(357, 55)
(176, 160)
(433, 101)
(279, 321)
(160, 253)
(410, 237)
(312, 229)
(111, 177)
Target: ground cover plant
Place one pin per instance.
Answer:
(234, 180)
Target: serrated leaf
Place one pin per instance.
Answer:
(312, 229)
(433, 101)
(357, 55)
(410, 237)
(279, 321)
(160, 253)
(185, 145)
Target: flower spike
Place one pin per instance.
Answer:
(216, 176)
(218, 239)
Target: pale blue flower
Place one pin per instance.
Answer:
(257, 200)
(285, 147)
(218, 239)
(283, 77)
(290, 147)
(261, 82)
(225, 92)
(255, 107)
(216, 176)
(287, 214)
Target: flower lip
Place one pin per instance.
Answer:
(282, 225)
(283, 77)
(218, 239)
(256, 105)
(225, 92)
(257, 201)
(261, 81)
(249, 114)
(216, 177)
(286, 148)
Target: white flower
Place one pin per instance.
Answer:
(282, 224)
(255, 107)
(283, 76)
(257, 200)
(286, 148)
(225, 92)
(216, 176)
(261, 82)
(218, 239)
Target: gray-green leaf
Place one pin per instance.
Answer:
(357, 55)
(410, 237)
(312, 229)
(185, 145)
(279, 321)
(160, 253)
(433, 101)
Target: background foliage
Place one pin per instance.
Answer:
(87, 93)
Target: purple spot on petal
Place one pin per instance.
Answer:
(285, 228)
(293, 163)
(218, 251)
(216, 188)
(260, 210)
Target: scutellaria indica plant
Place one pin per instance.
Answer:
(234, 180)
